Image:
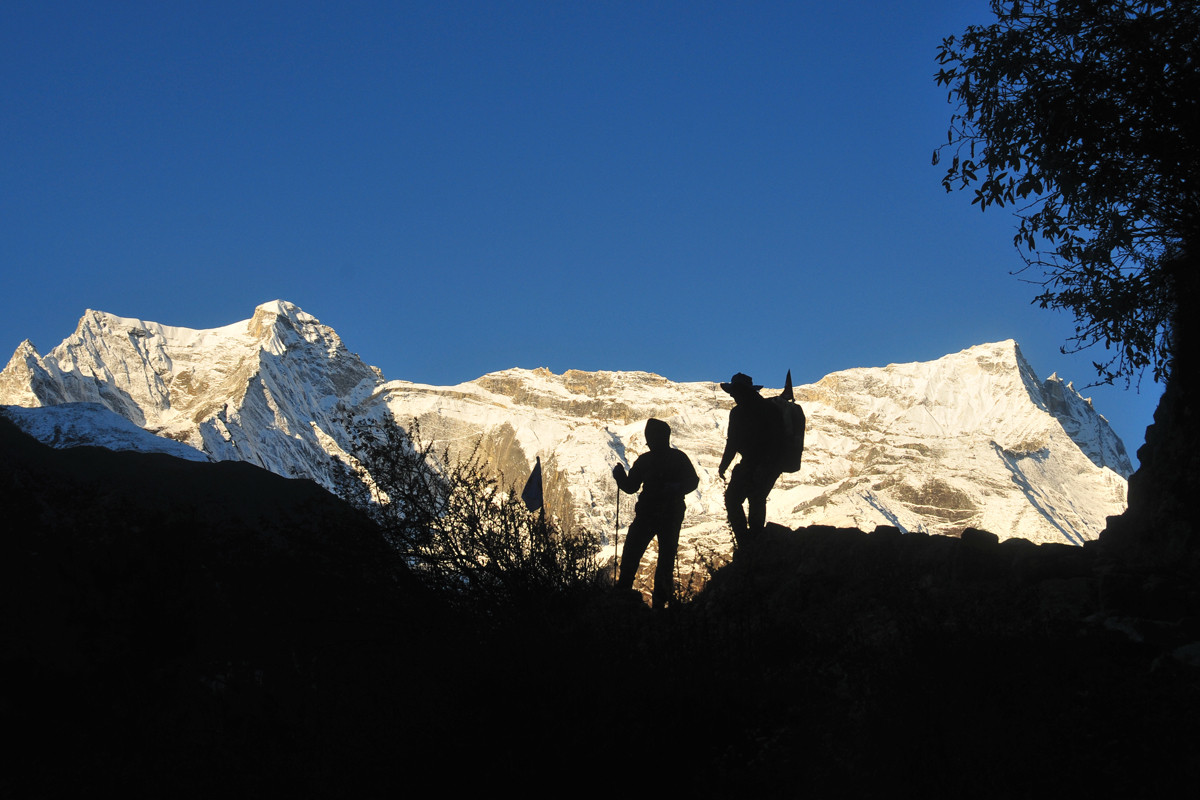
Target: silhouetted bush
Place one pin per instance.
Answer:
(460, 531)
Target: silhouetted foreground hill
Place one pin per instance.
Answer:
(180, 629)
(172, 624)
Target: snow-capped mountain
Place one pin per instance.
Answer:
(276, 390)
(973, 439)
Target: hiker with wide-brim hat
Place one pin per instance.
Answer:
(756, 435)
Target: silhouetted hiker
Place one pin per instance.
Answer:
(756, 434)
(665, 475)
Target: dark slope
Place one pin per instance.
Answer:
(911, 665)
(170, 624)
(178, 629)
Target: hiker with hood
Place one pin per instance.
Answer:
(665, 475)
(756, 434)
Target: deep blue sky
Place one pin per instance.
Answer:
(687, 188)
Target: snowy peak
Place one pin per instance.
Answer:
(279, 326)
(980, 390)
(167, 373)
(23, 380)
(989, 389)
(274, 390)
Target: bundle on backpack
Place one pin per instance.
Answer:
(793, 427)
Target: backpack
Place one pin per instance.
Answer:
(793, 427)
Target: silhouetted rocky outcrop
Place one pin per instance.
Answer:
(1160, 524)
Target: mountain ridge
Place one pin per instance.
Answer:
(973, 439)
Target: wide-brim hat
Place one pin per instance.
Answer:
(739, 383)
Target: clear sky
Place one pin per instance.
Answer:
(688, 188)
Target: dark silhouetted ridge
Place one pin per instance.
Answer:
(196, 630)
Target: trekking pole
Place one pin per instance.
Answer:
(617, 535)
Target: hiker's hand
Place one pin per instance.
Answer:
(619, 473)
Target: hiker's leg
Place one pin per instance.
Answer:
(636, 539)
(758, 515)
(764, 481)
(664, 571)
(736, 492)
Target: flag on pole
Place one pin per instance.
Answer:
(532, 493)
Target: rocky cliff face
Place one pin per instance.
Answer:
(973, 439)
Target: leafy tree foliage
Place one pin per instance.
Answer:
(1083, 115)
(457, 528)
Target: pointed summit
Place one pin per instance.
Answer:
(23, 381)
(283, 318)
(282, 308)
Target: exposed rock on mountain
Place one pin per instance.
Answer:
(973, 439)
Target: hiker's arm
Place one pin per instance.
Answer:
(628, 483)
(732, 438)
(691, 479)
(727, 456)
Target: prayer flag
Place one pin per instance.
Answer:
(532, 493)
